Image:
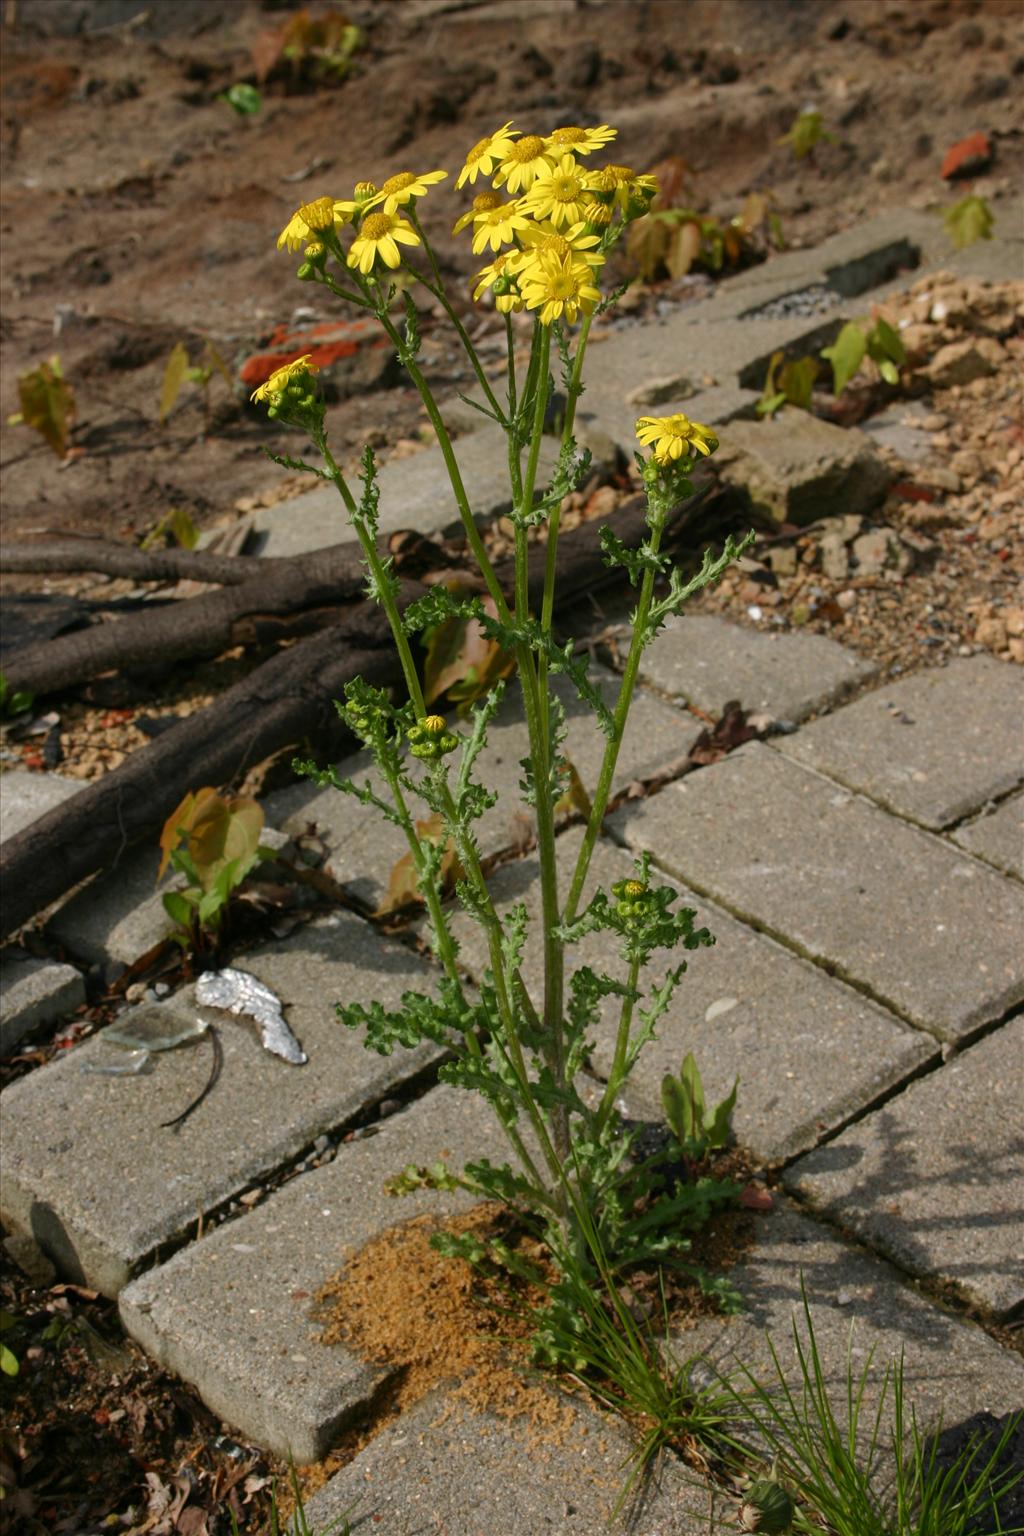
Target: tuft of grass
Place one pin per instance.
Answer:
(850, 1477)
(298, 1525)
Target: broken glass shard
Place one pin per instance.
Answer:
(154, 1028)
(238, 992)
(130, 1065)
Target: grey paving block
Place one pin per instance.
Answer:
(446, 1466)
(94, 1176)
(928, 931)
(935, 1178)
(809, 1052)
(857, 1304)
(707, 661)
(796, 468)
(120, 914)
(363, 847)
(414, 493)
(24, 797)
(933, 747)
(998, 836)
(233, 1313)
(34, 992)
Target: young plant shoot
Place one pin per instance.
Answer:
(545, 223)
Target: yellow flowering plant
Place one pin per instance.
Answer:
(547, 222)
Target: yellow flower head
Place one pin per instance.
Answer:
(482, 203)
(580, 141)
(521, 164)
(558, 193)
(495, 227)
(544, 239)
(380, 234)
(401, 189)
(597, 214)
(675, 437)
(559, 287)
(305, 222)
(633, 889)
(282, 377)
(486, 154)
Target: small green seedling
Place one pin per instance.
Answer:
(806, 132)
(47, 405)
(180, 371)
(245, 100)
(215, 843)
(177, 527)
(13, 701)
(969, 220)
(788, 383)
(881, 344)
(686, 1111)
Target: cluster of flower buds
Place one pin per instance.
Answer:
(430, 739)
(633, 902)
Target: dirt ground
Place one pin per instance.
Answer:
(139, 210)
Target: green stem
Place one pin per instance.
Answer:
(436, 288)
(622, 703)
(574, 392)
(618, 1068)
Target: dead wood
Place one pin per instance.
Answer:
(201, 626)
(71, 556)
(286, 700)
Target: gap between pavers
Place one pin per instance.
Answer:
(414, 493)
(91, 1174)
(896, 910)
(858, 1304)
(706, 661)
(997, 836)
(446, 1466)
(809, 1051)
(232, 1313)
(935, 1179)
(934, 747)
(34, 992)
(363, 847)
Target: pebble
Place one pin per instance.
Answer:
(847, 599)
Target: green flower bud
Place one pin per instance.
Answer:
(767, 1508)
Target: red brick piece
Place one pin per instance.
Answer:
(968, 158)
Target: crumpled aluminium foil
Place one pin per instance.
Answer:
(238, 992)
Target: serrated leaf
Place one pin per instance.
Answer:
(846, 354)
(175, 375)
(48, 404)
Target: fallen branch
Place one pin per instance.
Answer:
(287, 699)
(71, 556)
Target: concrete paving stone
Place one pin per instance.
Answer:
(706, 661)
(933, 747)
(929, 932)
(858, 1304)
(935, 1178)
(120, 914)
(998, 836)
(93, 1174)
(809, 1052)
(34, 992)
(447, 1466)
(415, 492)
(796, 468)
(363, 847)
(233, 1312)
(900, 429)
(24, 797)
